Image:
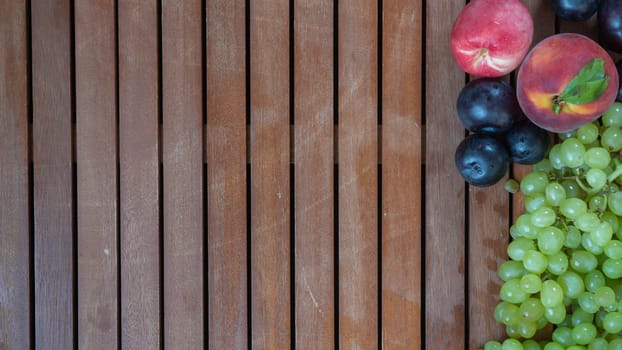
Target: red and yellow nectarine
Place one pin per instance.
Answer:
(565, 81)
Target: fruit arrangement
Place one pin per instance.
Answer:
(565, 256)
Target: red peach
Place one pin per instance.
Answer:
(546, 71)
(489, 38)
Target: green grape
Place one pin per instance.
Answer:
(551, 294)
(605, 296)
(614, 203)
(584, 333)
(597, 204)
(571, 284)
(555, 314)
(534, 202)
(531, 310)
(612, 268)
(553, 346)
(512, 292)
(602, 234)
(511, 344)
(581, 316)
(613, 322)
(511, 269)
(535, 262)
(531, 283)
(589, 245)
(531, 344)
(613, 249)
(558, 263)
(619, 309)
(507, 313)
(615, 344)
(571, 152)
(544, 216)
(586, 222)
(576, 347)
(613, 115)
(596, 178)
(511, 185)
(611, 139)
(588, 303)
(597, 158)
(573, 190)
(554, 193)
(572, 208)
(544, 166)
(527, 329)
(550, 240)
(513, 331)
(517, 248)
(583, 261)
(612, 219)
(555, 157)
(524, 227)
(534, 182)
(598, 344)
(573, 238)
(593, 280)
(492, 345)
(563, 336)
(587, 133)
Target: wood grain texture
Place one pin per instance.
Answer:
(270, 192)
(96, 157)
(15, 305)
(226, 175)
(444, 195)
(52, 162)
(139, 173)
(182, 147)
(401, 174)
(314, 175)
(358, 174)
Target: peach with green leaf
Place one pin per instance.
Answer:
(565, 81)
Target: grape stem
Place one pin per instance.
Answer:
(614, 175)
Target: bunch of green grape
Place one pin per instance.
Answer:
(565, 263)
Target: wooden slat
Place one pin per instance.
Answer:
(14, 216)
(139, 184)
(96, 175)
(270, 192)
(182, 147)
(444, 195)
(401, 174)
(314, 175)
(226, 175)
(358, 174)
(53, 204)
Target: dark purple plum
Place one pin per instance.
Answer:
(574, 10)
(526, 142)
(482, 159)
(610, 24)
(488, 105)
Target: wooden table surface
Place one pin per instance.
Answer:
(237, 174)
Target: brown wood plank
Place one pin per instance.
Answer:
(139, 184)
(182, 147)
(226, 175)
(53, 204)
(14, 206)
(401, 174)
(358, 174)
(270, 192)
(96, 174)
(444, 195)
(314, 175)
